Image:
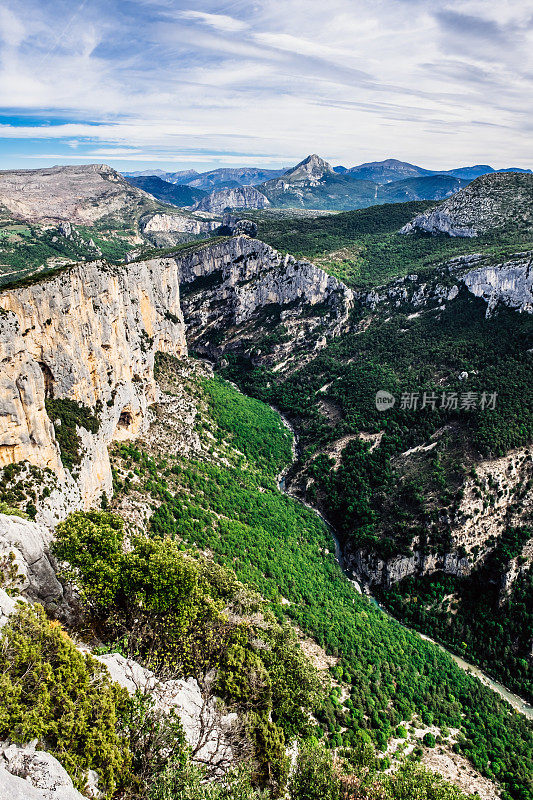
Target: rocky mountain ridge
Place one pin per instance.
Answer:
(76, 194)
(509, 282)
(222, 178)
(386, 171)
(314, 184)
(489, 202)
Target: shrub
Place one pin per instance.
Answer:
(52, 692)
(91, 542)
(429, 740)
(314, 777)
(12, 512)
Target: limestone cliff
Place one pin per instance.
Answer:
(236, 293)
(508, 282)
(499, 496)
(90, 335)
(166, 230)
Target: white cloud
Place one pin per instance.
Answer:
(299, 46)
(221, 22)
(266, 81)
(12, 29)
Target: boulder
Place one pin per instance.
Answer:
(29, 543)
(30, 774)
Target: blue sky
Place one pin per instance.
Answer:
(178, 84)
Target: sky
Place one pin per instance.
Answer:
(177, 85)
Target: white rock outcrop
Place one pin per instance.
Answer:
(30, 774)
(491, 201)
(510, 283)
(8, 606)
(240, 197)
(206, 728)
(167, 224)
(242, 275)
(29, 543)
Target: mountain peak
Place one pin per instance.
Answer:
(311, 168)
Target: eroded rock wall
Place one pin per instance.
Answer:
(230, 283)
(90, 334)
(498, 496)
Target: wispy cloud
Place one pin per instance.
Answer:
(221, 22)
(229, 81)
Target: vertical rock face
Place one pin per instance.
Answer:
(226, 284)
(28, 542)
(89, 335)
(510, 283)
(241, 197)
(166, 230)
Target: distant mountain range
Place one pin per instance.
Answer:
(315, 184)
(223, 178)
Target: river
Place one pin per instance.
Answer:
(518, 703)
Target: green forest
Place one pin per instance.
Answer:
(375, 499)
(363, 248)
(285, 552)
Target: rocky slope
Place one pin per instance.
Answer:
(237, 295)
(488, 203)
(436, 187)
(475, 527)
(508, 282)
(77, 194)
(165, 230)
(241, 197)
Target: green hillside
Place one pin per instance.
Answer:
(363, 248)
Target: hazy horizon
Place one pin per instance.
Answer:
(202, 167)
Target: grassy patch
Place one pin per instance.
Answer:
(364, 249)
